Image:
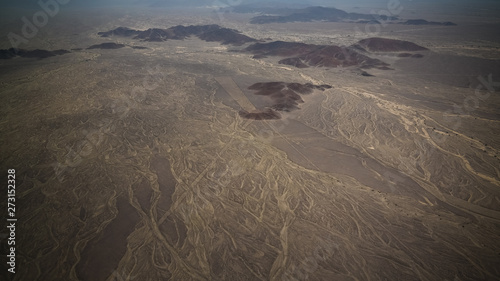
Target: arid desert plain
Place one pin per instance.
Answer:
(193, 144)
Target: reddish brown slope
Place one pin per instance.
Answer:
(377, 44)
(285, 97)
(303, 55)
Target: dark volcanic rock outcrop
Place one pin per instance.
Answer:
(303, 55)
(107, 46)
(40, 54)
(157, 35)
(210, 33)
(281, 48)
(284, 96)
(424, 22)
(388, 45)
(120, 31)
(178, 32)
(226, 36)
(333, 56)
(8, 54)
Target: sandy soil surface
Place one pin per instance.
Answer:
(135, 164)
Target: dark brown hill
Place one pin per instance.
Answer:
(8, 53)
(120, 31)
(334, 56)
(303, 55)
(157, 35)
(210, 33)
(39, 54)
(108, 45)
(226, 37)
(284, 96)
(186, 31)
(377, 44)
(424, 22)
(178, 32)
(281, 48)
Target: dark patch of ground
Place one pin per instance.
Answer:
(267, 114)
(408, 55)
(108, 45)
(102, 255)
(39, 54)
